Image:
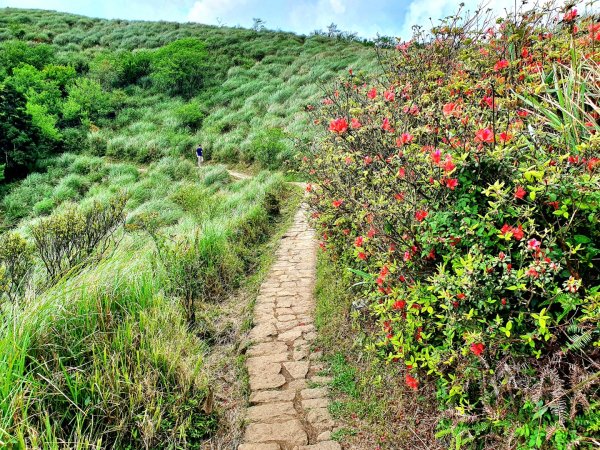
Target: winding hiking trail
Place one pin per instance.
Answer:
(287, 411)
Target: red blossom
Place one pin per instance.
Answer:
(355, 124)
(518, 233)
(420, 215)
(484, 135)
(436, 156)
(362, 255)
(338, 125)
(389, 96)
(451, 183)
(358, 242)
(337, 203)
(372, 93)
(368, 160)
(451, 109)
(405, 138)
(505, 137)
(477, 348)
(386, 126)
(520, 192)
(400, 304)
(502, 64)
(411, 382)
(570, 15)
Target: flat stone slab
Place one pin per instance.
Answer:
(272, 396)
(259, 447)
(291, 432)
(271, 412)
(260, 382)
(313, 393)
(296, 369)
(325, 445)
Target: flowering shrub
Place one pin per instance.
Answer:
(464, 189)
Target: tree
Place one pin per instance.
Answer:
(180, 67)
(21, 141)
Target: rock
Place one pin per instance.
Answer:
(324, 436)
(259, 447)
(271, 412)
(320, 419)
(267, 348)
(296, 369)
(260, 382)
(326, 445)
(313, 403)
(313, 393)
(291, 432)
(272, 396)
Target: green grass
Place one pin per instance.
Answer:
(105, 357)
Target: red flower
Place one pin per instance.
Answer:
(405, 138)
(484, 135)
(505, 137)
(436, 156)
(477, 348)
(518, 233)
(400, 304)
(355, 124)
(359, 241)
(449, 166)
(399, 196)
(502, 64)
(520, 192)
(460, 296)
(368, 160)
(371, 232)
(337, 203)
(451, 109)
(533, 244)
(420, 215)
(412, 382)
(386, 125)
(533, 273)
(451, 183)
(570, 15)
(338, 125)
(362, 255)
(402, 172)
(522, 113)
(372, 93)
(389, 96)
(524, 52)
(489, 101)
(308, 187)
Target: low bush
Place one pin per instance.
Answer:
(70, 237)
(463, 191)
(16, 257)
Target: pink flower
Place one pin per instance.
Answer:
(505, 137)
(436, 156)
(451, 109)
(372, 93)
(386, 125)
(389, 96)
(533, 244)
(338, 125)
(355, 124)
(405, 138)
(358, 242)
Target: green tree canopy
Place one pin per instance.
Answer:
(180, 67)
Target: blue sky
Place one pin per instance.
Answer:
(367, 17)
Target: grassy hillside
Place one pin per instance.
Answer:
(240, 92)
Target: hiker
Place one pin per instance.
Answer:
(199, 155)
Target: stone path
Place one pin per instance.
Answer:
(287, 411)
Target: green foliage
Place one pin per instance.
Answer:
(190, 115)
(69, 238)
(16, 257)
(269, 147)
(463, 194)
(15, 53)
(180, 67)
(86, 101)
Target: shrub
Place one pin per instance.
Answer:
(268, 146)
(462, 191)
(71, 237)
(16, 256)
(190, 115)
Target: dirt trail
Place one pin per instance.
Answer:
(288, 410)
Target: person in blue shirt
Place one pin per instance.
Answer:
(200, 155)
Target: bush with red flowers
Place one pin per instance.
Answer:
(465, 194)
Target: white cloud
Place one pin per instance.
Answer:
(337, 6)
(420, 12)
(215, 11)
